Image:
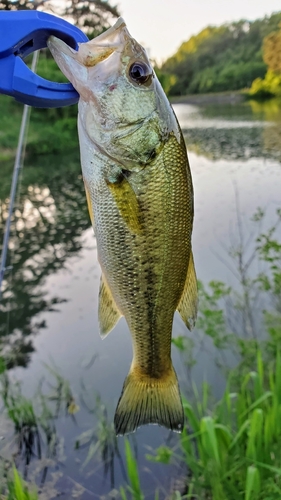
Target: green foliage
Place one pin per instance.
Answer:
(167, 81)
(17, 489)
(134, 483)
(211, 316)
(234, 453)
(272, 51)
(270, 86)
(232, 448)
(93, 16)
(234, 319)
(228, 57)
(52, 187)
(60, 135)
(163, 455)
(48, 68)
(235, 76)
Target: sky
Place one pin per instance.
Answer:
(161, 26)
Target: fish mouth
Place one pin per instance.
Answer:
(91, 53)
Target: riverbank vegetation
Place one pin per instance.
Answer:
(270, 86)
(222, 58)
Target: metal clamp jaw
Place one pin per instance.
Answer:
(21, 33)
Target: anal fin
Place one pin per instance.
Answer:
(188, 303)
(108, 313)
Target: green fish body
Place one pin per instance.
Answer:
(140, 197)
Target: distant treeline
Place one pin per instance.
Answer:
(228, 57)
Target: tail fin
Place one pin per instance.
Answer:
(149, 401)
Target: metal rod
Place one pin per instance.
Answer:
(17, 166)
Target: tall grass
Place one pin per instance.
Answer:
(16, 488)
(134, 487)
(234, 453)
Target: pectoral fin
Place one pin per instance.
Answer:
(127, 203)
(108, 310)
(188, 303)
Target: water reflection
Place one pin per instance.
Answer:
(228, 143)
(47, 227)
(249, 130)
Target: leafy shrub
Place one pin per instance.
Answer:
(270, 86)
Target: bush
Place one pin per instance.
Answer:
(270, 86)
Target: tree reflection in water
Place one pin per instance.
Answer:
(259, 137)
(49, 219)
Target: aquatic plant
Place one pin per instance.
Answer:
(21, 412)
(100, 440)
(134, 487)
(16, 489)
(34, 419)
(133, 490)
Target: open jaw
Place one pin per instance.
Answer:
(78, 65)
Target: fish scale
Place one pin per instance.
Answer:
(140, 197)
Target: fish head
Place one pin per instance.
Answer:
(122, 107)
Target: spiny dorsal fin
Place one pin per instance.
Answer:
(188, 303)
(127, 203)
(108, 310)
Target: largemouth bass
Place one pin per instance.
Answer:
(140, 197)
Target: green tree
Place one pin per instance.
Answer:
(272, 51)
(92, 16)
(227, 57)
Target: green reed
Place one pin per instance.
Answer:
(234, 453)
(134, 487)
(16, 488)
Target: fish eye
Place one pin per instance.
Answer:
(140, 72)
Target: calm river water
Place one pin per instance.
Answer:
(235, 158)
